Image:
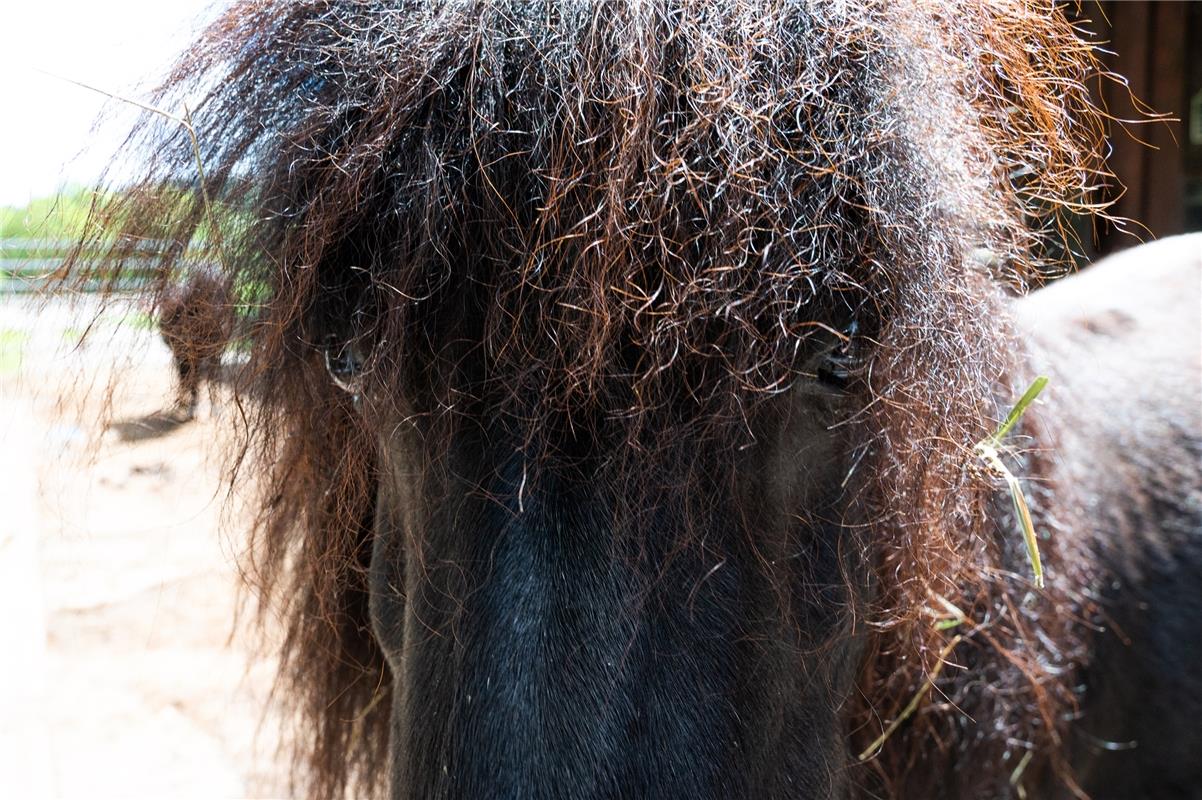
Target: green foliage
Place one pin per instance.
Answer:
(12, 344)
(61, 217)
(54, 218)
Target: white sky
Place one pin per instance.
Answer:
(46, 135)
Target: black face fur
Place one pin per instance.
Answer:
(545, 642)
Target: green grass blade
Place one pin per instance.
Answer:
(915, 701)
(1024, 521)
(1015, 413)
(988, 451)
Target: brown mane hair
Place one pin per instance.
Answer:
(639, 216)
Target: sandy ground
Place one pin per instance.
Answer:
(122, 673)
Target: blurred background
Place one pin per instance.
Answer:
(1157, 48)
(125, 673)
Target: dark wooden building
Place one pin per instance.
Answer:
(1157, 47)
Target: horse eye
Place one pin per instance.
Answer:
(344, 363)
(837, 364)
(835, 370)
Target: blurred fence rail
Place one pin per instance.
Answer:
(28, 266)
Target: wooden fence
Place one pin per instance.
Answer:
(29, 265)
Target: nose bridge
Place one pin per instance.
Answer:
(544, 635)
(532, 653)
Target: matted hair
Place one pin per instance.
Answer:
(623, 210)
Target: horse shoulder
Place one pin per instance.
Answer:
(1122, 342)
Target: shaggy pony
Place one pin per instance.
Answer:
(629, 225)
(195, 320)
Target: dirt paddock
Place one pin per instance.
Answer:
(123, 673)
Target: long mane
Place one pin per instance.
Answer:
(641, 214)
